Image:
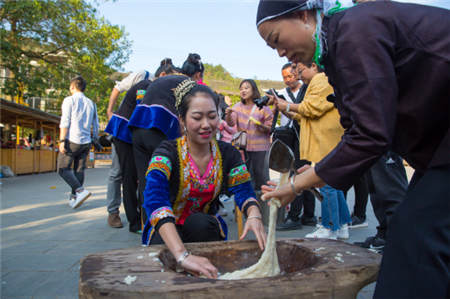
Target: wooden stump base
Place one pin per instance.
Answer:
(310, 269)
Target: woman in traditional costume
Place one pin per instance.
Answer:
(153, 120)
(185, 178)
(389, 65)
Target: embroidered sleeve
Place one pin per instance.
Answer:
(159, 214)
(157, 197)
(244, 196)
(238, 175)
(162, 164)
(239, 180)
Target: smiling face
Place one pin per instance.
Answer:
(307, 73)
(291, 36)
(290, 78)
(201, 120)
(246, 92)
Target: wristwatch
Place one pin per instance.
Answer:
(62, 140)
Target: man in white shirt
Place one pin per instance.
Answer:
(291, 92)
(79, 115)
(294, 93)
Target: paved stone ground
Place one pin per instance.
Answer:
(43, 239)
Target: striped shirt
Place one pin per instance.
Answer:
(257, 140)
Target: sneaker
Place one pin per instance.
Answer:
(358, 222)
(81, 197)
(290, 224)
(72, 198)
(375, 243)
(309, 221)
(343, 232)
(114, 220)
(323, 233)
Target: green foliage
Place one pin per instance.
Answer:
(44, 43)
(220, 80)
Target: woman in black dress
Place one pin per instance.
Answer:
(389, 64)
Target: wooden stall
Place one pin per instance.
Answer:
(28, 138)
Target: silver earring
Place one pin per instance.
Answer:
(185, 130)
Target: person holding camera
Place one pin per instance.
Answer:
(78, 116)
(255, 123)
(294, 93)
(320, 131)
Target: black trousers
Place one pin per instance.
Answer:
(258, 168)
(416, 259)
(361, 188)
(145, 141)
(306, 199)
(387, 183)
(197, 227)
(129, 183)
(72, 163)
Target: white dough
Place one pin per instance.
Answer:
(267, 265)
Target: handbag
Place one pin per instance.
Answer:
(239, 140)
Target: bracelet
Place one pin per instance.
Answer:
(182, 257)
(62, 140)
(291, 180)
(256, 217)
(288, 106)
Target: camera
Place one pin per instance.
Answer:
(260, 103)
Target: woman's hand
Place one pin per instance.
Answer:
(228, 117)
(306, 179)
(255, 224)
(284, 193)
(200, 266)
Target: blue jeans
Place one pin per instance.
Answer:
(334, 208)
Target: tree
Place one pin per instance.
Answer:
(44, 43)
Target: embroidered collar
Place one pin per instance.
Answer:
(186, 183)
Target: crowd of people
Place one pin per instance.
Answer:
(347, 113)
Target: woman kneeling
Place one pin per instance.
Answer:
(185, 178)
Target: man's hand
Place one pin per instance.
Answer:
(281, 104)
(62, 149)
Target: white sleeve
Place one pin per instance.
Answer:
(66, 111)
(130, 80)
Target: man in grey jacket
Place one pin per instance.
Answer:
(79, 115)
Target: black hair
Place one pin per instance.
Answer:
(222, 105)
(167, 67)
(309, 65)
(255, 93)
(186, 100)
(79, 83)
(287, 65)
(192, 65)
